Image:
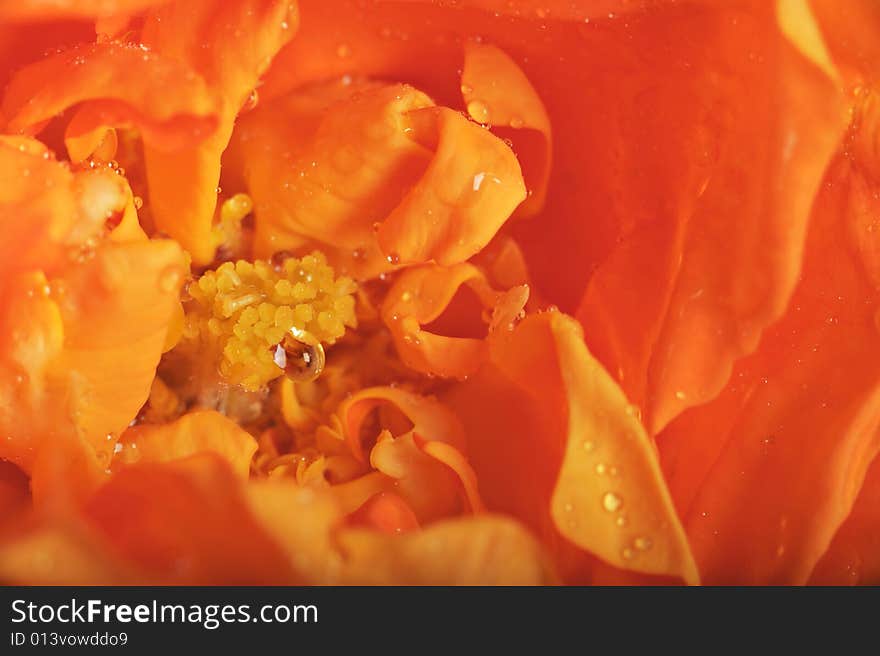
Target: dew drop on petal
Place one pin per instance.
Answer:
(611, 502)
(478, 111)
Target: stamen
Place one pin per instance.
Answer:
(259, 320)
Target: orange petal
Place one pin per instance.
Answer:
(36, 10)
(194, 433)
(307, 540)
(361, 165)
(121, 84)
(386, 512)
(67, 370)
(853, 558)
(695, 281)
(425, 415)
(554, 441)
(766, 473)
(483, 550)
(187, 522)
(418, 297)
(237, 40)
(63, 554)
(498, 93)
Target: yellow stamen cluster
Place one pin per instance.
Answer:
(241, 312)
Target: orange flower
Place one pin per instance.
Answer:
(489, 292)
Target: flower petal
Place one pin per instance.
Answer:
(694, 282)
(497, 93)
(187, 522)
(121, 84)
(236, 42)
(854, 554)
(484, 550)
(766, 473)
(357, 167)
(418, 297)
(554, 441)
(194, 433)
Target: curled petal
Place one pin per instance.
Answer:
(193, 433)
(424, 415)
(498, 93)
(418, 297)
(431, 488)
(554, 441)
(121, 84)
(484, 550)
(328, 162)
(470, 188)
(361, 167)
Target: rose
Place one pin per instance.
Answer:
(717, 251)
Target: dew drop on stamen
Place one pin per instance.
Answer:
(301, 362)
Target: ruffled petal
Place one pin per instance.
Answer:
(77, 375)
(766, 473)
(693, 283)
(119, 84)
(497, 93)
(194, 433)
(421, 295)
(419, 447)
(357, 167)
(554, 441)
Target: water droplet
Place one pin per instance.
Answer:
(620, 521)
(478, 111)
(643, 544)
(169, 279)
(681, 396)
(634, 411)
(466, 90)
(568, 508)
(252, 100)
(301, 362)
(478, 180)
(626, 553)
(343, 51)
(393, 258)
(600, 468)
(611, 502)
(138, 202)
(588, 446)
(516, 123)
(278, 259)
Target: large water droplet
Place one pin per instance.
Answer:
(301, 362)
